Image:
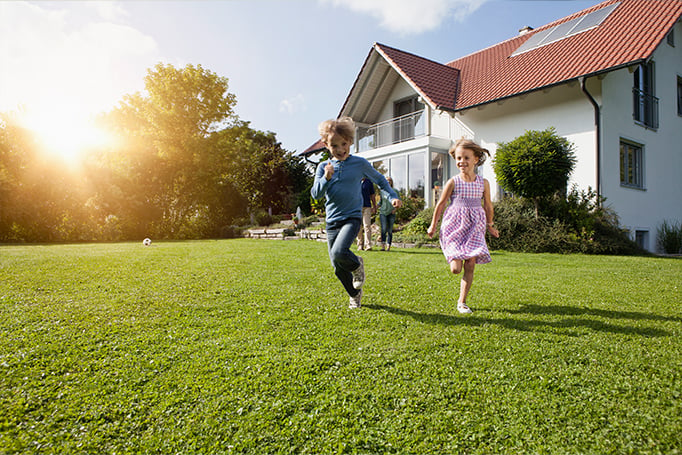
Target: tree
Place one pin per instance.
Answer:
(535, 165)
(167, 159)
(266, 175)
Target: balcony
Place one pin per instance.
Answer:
(393, 131)
(645, 108)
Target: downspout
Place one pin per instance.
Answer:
(597, 124)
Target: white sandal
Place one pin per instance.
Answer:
(463, 308)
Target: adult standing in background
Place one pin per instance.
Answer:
(387, 217)
(369, 208)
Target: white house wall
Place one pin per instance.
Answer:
(401, 91)
(563, 107)
(661, 198)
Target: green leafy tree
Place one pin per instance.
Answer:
(535, 165)
(266, 175)
(165, 167)
(41, 199)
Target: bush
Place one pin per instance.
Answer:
(231, 232)
(535, 165)
(669, 237)
(410, 208)
(576, 224)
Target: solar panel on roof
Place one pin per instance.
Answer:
(560, 31)
(566, 29)
(594, 19)
(533, 42)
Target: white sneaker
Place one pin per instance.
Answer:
(355, 301)
(463, 308)
(359, 274)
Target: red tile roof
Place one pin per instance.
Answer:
(628, 35)
(315, 148)
(433, 80)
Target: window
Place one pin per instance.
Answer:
(439, 162)
(642, 239)
(671, 38)
(404, 126)
(679, 95)
(631, 165)
(408, 173)
(399, 173)
(417, 174)
(645, 104)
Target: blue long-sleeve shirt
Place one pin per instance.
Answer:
(343, 191)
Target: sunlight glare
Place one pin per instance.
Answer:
(65, 133)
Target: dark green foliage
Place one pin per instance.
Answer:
(420, 223)
(534, 165)
(577, 223)
(669, 237)
(410, 207)
(231, 232)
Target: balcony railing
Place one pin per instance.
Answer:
(645, 108)
(394, 131)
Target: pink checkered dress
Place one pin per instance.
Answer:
(462, 232)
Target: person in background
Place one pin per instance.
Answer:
(369, 209)
(387, 218)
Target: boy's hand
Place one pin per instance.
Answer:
(397, 203)
(328, 170)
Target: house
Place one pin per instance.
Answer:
(608, 78)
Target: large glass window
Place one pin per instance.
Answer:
(408, 173)
(631, 165)
(417, 174)
(438, 173)
(399, 173)
(404, 126)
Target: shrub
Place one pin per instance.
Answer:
(669, 237)
(420, 223)
(575, 224)
(535, 165)
(231, 232)
(409, 209)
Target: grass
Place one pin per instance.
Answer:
(247, 346)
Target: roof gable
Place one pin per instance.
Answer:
(435, 82)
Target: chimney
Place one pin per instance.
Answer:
(524, 30)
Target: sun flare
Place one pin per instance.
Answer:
(66, 134)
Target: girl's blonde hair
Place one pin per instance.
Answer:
(479, 152)
(344, 127)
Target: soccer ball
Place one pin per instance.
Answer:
(147, 242)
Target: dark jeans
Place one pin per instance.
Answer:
(340, 237)
(387, 222)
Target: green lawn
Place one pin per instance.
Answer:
(247, 346)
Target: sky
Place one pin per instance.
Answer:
(290, 63)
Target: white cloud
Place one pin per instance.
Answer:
(411, 16)
(293, 104)
(109, 11)
(51, 58)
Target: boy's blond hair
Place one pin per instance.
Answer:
(479, 152)
(344, 127)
